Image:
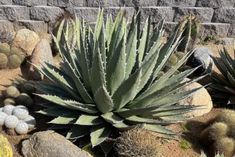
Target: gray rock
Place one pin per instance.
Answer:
(50, 144)
(231, 32)
(5, 2)
(66, 3)
(46, 13)
(204, 14)
(157, 13)
(6, 26)
(140, 3)
(202, 57)
(214, 29)
(30, 2)
(224, 15)
(13, 12)
(36, 26)
(227, 41)
(181, 3)
(104, 3)
(41, 54)
(215, 3)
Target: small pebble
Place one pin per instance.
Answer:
(8, 109)
(30, 120)
(2, 117)
(11, 121)
(20, 113)
(22, 128)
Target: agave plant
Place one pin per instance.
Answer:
(224, 83)
(110, 79)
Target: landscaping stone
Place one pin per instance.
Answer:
(36, 26)
(140, 3)
(157, 13)
(201, 99)
(13, 12)
(41, 54)
(231, 32)
(227, 41)
(202, 57)
(66, 3)
(50, 144)
(5, 2)
(203, 14)
(214, 29)
(6, 26)
(46, 13)
(224, 15)
(26, 40)
(215, 3)
(30, 2)
(182, 3)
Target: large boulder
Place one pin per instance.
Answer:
(26, 40)
(41, 54)
(50, 144)
(200, 99)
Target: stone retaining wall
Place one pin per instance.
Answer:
(217, 16)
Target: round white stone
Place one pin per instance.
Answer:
(8, 109)
(20, 113)
(22, 128)
(30, 120)
(11, 121)
(22, 107)
(2, 117)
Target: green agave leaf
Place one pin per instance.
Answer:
(89, 120)
(222, 68)
(171, 83)
(97, 73)
(127, 90)
(52, 89)
(99, 134)
(60, 30)
(166, 52)
(131, 50)
(158, 128)
(231, 79)
(228, 64)
(116, 72)
(77, 132)
(112, 118)
(144, 41)
(103, 100)
(171, 110)
(63, 120)
(116, 35)
(138, 119)
(160, 83)
(55, 111)
(99, 24)
(123, 126)
(78, 106)
(58, 79)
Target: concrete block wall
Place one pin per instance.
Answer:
(217, 16)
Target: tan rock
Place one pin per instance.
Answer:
(201, 99)
(50, 144)
(26, 40)
(41, 54)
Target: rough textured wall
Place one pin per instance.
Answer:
(217, 16)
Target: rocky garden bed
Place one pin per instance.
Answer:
(92, 95)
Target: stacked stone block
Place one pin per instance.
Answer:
(217, 16)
